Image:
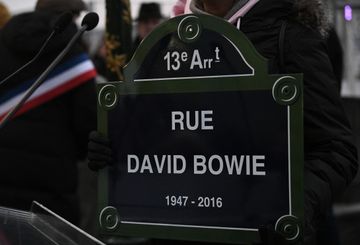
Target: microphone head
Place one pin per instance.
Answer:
(90, 21)
(63, 21)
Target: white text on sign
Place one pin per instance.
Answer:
(250, 165)
(175, 59)
(192, 120)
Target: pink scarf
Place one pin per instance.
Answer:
(183, 7)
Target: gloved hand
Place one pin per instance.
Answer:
(270, 237)
(99, 151)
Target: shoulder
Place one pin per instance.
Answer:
(306, 52)
(313, 14)
(302, 40)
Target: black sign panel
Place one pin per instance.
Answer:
(201, 159)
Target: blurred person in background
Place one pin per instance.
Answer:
(59, 6)
(149, 17)
(4, 15)
(41, 145)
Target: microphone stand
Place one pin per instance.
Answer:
(32, 60)
(42, 77)
(61, 23)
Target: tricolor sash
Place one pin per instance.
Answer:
(63, 78)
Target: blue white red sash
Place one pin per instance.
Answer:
(63, 78)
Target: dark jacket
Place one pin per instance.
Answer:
(39, 149)
(330, 154)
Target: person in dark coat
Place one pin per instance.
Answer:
(41, 145)
(149, 17)
(330, 154)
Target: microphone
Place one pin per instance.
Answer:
(60, 24)
(89, 22)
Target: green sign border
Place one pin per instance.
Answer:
(181, 24)
(286, 91)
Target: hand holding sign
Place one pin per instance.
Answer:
(99, 151)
